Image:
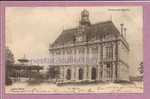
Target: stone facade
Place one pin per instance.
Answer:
(91, 52)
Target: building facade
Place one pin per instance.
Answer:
(90, 52)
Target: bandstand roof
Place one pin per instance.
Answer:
(27, 67)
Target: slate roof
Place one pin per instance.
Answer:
(95, 30)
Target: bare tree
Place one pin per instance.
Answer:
(9, 61)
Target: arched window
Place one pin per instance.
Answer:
(68, 76)
(93, 74)
(80, 74)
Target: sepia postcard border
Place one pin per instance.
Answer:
(146, 29)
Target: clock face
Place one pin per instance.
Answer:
(79, 38)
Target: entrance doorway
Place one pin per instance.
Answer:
(108, 72)
(80, 74)
(68, 76)
(53, 72)
(94, 73)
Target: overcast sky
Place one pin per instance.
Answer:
(29, 30)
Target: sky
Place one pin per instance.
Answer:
(30, 30)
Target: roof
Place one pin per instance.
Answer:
(95, 30)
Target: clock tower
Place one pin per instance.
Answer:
(83, 24)
(85, 18)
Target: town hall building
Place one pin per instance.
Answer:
(90, 53)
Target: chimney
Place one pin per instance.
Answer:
(122, 29)
(125, 30)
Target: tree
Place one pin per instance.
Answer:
(9, 57)
(9, 61)
(141, 70)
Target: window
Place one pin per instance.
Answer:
(81, 50)
(109, 52)
(94, 50)
(69, 51)
(58, 52)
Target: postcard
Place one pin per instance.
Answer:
(74, 48)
